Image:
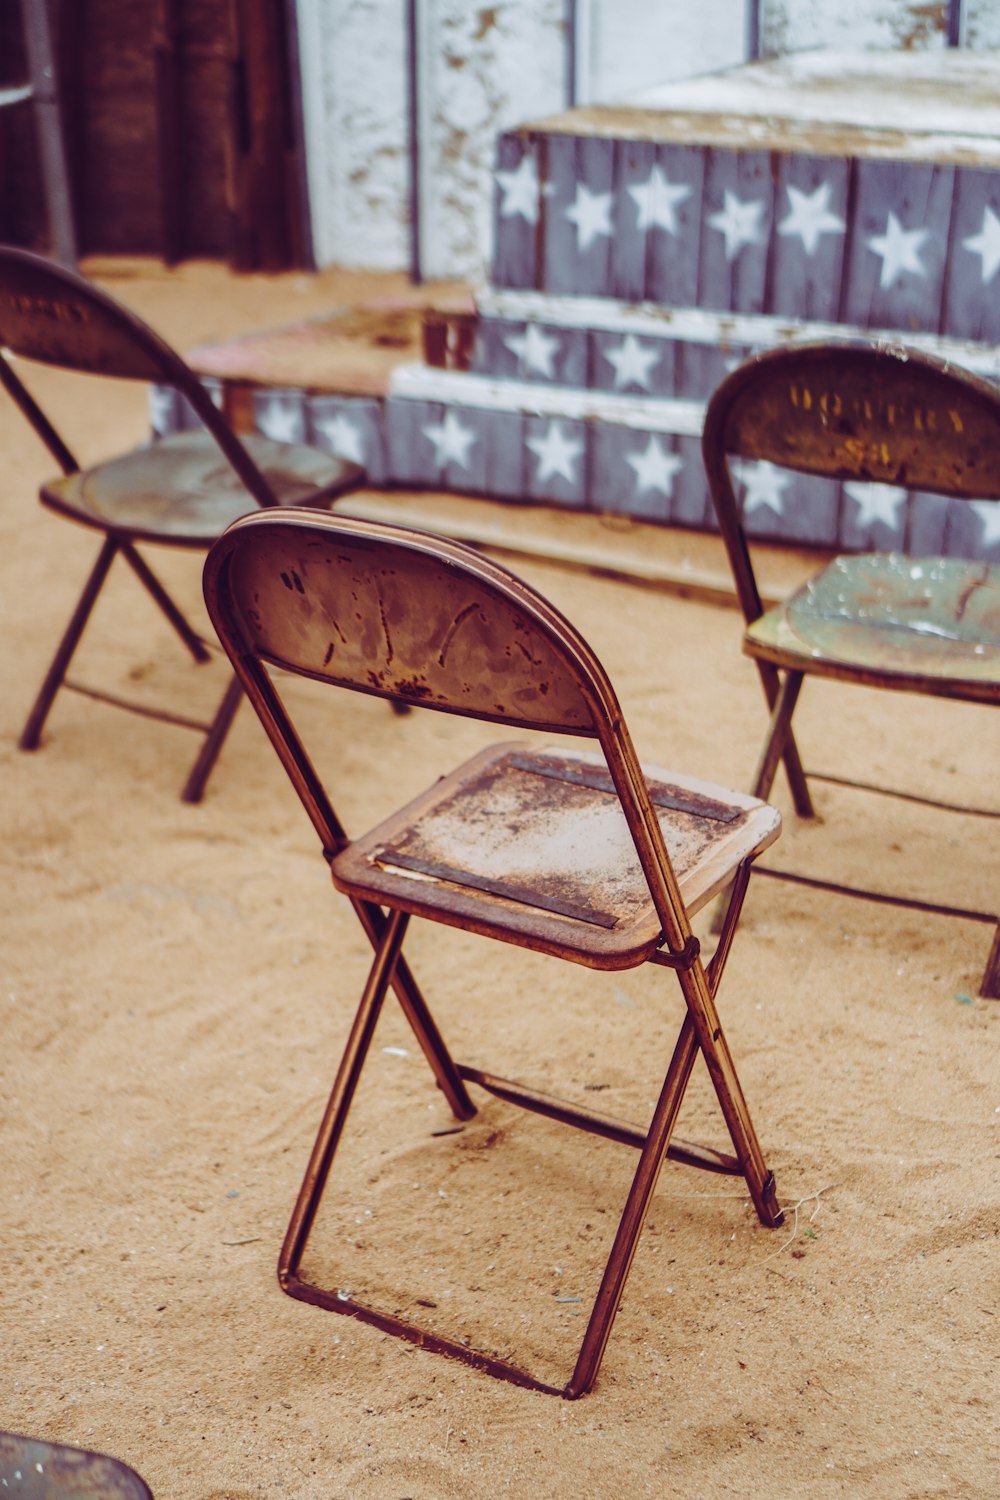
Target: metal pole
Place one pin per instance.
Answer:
(569, 61)
(413, 129)
(753, 30)
(51, 141)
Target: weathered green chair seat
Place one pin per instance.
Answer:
(182, 489)
(930, 624)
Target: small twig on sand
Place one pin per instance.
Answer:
(795, 1210)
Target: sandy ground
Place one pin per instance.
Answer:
(177, 985)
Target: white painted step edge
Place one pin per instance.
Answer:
(416, 382)
(697, 325)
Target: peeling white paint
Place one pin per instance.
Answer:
(634, 45)
(353, 56)
(800, 25)
(483, 68)
(982, 24)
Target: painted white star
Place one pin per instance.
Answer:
(986, 244)
(520, 191)
(810, 216)
(657, 200)
(633, 362)
(765, 485)
(451, 441)
(282, 420)
(876, 502)
(591, 213)
(739, 220)
(654, 469)
(535, 348)
(899, 249)
(556, 453)
(988, 512)
(342, 436)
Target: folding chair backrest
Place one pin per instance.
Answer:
(34, 1469)
(869, 412)
(53, 316)
(408, 618)
(866, 412)
(425, 621)
(50, 314)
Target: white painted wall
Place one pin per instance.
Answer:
(484, 67)
(982, 24)
(630, 45)
(839, 25)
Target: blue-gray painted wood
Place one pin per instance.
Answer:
(906, 205)
(674, 242)
(351, 428)
(739, 207)
(809, 237)
(634, 162)
(515, 238)
(972, 285)
(545, 438)
(506, 455)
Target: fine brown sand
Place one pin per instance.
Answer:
(177, 985)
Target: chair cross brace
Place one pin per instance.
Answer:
(386, 931)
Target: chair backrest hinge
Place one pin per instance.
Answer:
(685, 959)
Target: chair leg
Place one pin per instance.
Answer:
(633, 1216)
(722, 1071)
(341, 1097)
(797, 783)
(32, 732)
(422, 1023)
(701, 1031)
(779, 736)
(990, 987)
(194, 787)
(149, 581)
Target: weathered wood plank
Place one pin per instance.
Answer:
(505, 455)
(634, 161)
(899, 240)
(351, 428)
(972, 292)
(628, 362)
(517, 211)
(556, 462)
(739, 207)
(556, 271)
(674, 201)
(807, 258)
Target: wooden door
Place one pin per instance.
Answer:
(180, 131)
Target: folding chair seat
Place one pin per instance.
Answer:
(884, 415)
(181, 492)
(33, 1469)
(579, 854)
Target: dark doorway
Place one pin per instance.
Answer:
(180, 122)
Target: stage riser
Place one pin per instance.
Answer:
(828, 273)
(392, 438)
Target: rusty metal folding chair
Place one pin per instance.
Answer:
(573, 853)
(33, 1469)
(180, 492)
(880, 414)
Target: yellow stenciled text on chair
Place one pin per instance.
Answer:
(885, 415)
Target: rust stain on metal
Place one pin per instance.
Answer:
(453, 628)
